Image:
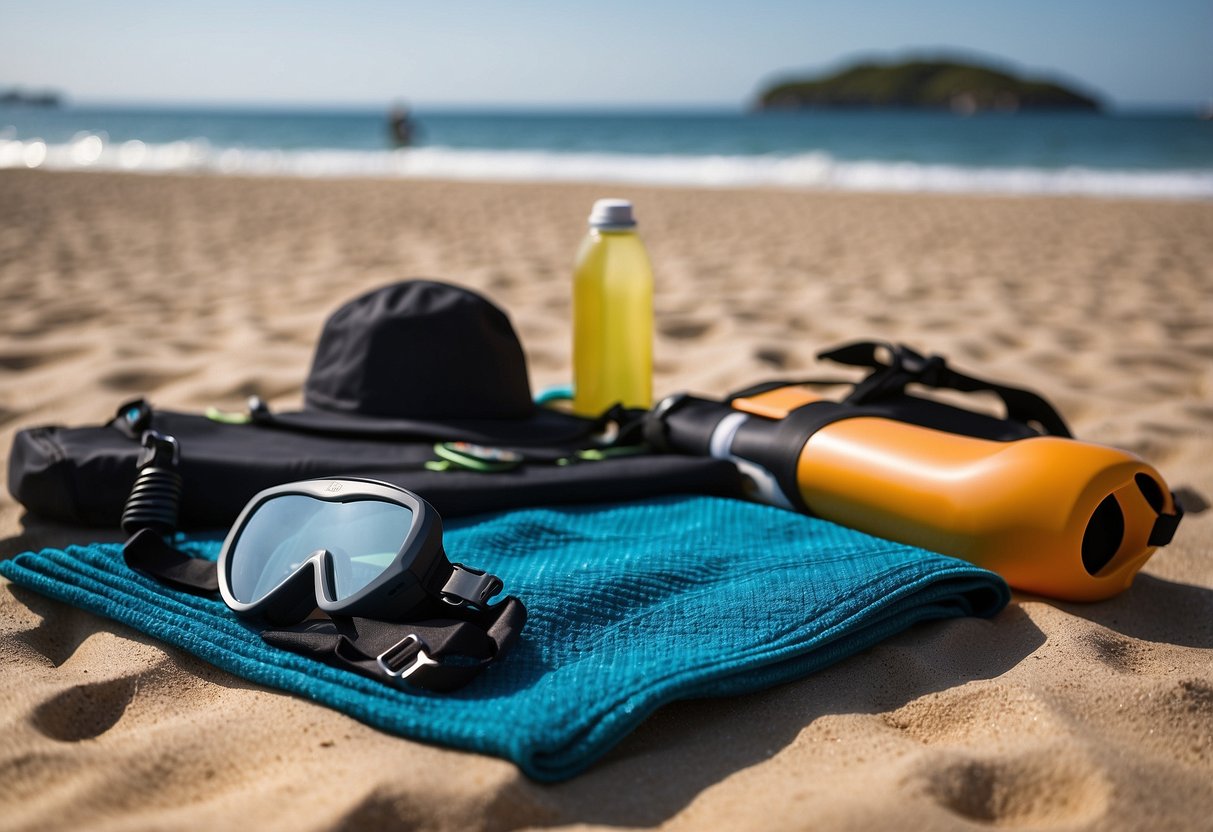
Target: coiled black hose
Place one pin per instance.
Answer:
(156, 495)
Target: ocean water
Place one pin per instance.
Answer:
(1156, 156)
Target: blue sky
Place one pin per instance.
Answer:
(550, 53)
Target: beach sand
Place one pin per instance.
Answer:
(202, 291)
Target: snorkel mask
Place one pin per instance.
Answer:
(347, 546)
(366, 553)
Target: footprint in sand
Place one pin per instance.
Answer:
(683, 329)
(972, 350)
(1124, 655)
(1200, 412)
(18, 360)
(501, 281)
(1189, 703)
(1145, 363)
(1005, 340)
(1045, 788)
(1072, 338)
(1149, 448)
(1166, 429)
(84, 712)
(59, 317)
(380, 808)
(773, 357)
(136, 380)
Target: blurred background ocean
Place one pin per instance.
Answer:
(1121, 154)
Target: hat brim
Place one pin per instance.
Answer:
(545, 427)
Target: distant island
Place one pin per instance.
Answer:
(928, 85)
(19, 98)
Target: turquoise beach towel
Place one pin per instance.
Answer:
(631, 606)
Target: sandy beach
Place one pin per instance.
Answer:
(199, 291)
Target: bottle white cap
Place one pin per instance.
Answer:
(612, 214)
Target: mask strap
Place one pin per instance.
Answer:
(440, 655)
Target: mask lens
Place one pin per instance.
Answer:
(363, 536)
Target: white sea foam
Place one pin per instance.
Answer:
(815, 170)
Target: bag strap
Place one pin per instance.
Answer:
(908, 366)
(134, 418)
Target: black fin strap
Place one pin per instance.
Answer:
(908, 366)
(441, 655)
(149, 553)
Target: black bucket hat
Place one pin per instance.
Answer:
(422, 359)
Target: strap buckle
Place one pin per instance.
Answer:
(930, 370)
(469, 586)
(405, 657)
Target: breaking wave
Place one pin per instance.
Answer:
(813, 170)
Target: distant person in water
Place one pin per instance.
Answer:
(401, 126)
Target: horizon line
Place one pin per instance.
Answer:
(368, 106)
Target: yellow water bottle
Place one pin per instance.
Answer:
(612, 314)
